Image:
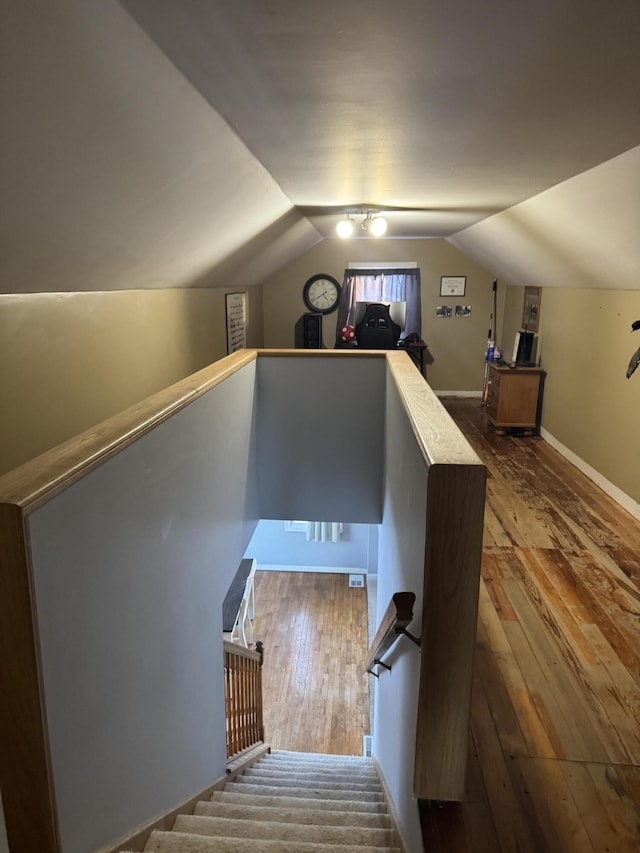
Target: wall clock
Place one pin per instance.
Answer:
(321, 293)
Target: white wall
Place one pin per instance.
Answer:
(401, 569)
(321, 438)
(130, 566)
(271, 545)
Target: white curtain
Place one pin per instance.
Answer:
(324, 531)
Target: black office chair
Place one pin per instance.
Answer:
(377, 330)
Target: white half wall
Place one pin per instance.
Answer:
(401, 569)
(321, 438)
(130, 567)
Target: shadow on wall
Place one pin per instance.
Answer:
(281, 545)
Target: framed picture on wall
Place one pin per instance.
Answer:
(531, 308)
(236, 311)
(453, 285)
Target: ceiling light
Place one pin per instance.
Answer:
(345, 227)
(372, 225)
(378, 226)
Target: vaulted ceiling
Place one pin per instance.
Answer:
(158, 143)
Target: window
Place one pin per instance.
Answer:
(381, 284)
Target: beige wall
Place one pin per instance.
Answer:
(589, 405)
(457, 346)
(69, 360)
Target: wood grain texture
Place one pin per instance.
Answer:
(315, 685)
(554, 737)
(25, 770)
(439, 441)
(397, 617)
(455, 504)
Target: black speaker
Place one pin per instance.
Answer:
(309, 332)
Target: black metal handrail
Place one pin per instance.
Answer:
(393, 625)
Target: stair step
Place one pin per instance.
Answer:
(280, 768)
(289, 814)
(183, 842)
(281, 800)
(314, 759)
(288, 780)
(279, 831)
(335, 793)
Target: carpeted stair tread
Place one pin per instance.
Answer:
(252, 777)
(289, 803)
(310, 760)
(282, 800)
(304, 791)
(326, 817)
(280, 831)
(183, 842)
(325, 757)
(298, 772)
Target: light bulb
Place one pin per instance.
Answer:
(378, 226)
(345, 228)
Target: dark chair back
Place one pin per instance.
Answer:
(377, 330)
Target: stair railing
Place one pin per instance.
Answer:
(393, 625)
(243, 697)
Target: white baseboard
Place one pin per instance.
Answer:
(329, 570)
(477, 394)
(620, 497)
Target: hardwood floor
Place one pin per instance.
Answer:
(554, 754)
(315, 687)
(555, 731)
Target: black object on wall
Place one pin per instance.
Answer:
(309, 332)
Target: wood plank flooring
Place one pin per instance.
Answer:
(315, 686)
(555, 723)
(554, 748)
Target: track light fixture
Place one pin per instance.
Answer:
(374, 226)
(345, 227)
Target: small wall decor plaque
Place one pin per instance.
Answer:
(453, 285)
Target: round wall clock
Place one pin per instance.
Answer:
(321, 293)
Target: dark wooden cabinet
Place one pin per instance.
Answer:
(513, 394)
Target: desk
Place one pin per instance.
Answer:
(416, 352)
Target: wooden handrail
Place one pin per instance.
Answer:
(37, 481)
(397, 617)
(243, 697)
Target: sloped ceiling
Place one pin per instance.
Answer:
(158, 143)
(584, 232)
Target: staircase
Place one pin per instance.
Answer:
(289, 802)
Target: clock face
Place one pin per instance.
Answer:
(321, 294)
